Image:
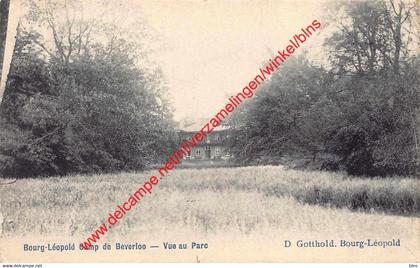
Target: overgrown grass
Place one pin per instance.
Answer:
(206, 201)
(392, 195)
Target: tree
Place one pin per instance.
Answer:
(359, 114)
(279, 121)
(83, 103)
(4, 19)
(373, 48)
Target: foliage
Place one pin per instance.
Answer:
(357, 114)
(81, 106)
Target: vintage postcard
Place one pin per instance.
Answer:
(207, 131)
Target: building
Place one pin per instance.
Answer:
(212, 147)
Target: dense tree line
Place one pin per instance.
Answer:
(359, 113)
(78, 98)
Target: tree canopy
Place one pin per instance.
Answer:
(79, 99)
(359, 113)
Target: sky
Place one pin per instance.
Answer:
(210, 49)
(213, 48)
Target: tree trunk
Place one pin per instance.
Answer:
(416, 140)
(5, 100)
(4, 18)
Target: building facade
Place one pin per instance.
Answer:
(212, 147)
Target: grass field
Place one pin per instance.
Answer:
(250, 210)
(209, 201)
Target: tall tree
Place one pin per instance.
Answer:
(360, 114)
(4, 19)
(81, 103)
(374, 48)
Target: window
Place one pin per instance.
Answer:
(198, 153)
(217, 152)
(218, 137)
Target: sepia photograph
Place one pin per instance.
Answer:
(209, 131)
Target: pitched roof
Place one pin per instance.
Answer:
(195, 125)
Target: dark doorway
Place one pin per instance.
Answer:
(208, 152)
